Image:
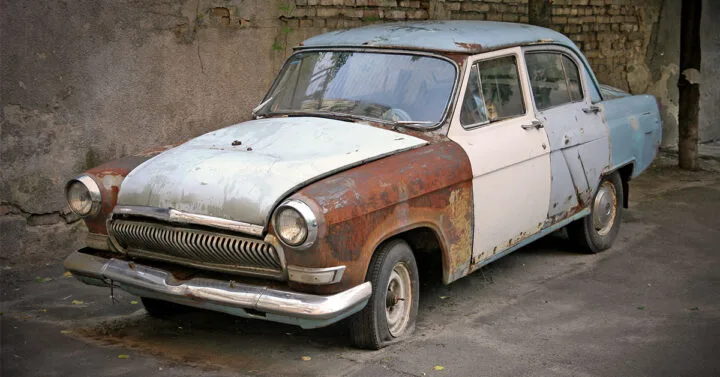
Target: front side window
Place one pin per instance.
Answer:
(378, 86)
(493, 92)
(554, 79)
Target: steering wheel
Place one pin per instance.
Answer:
(396, 114)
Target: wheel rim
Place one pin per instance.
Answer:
(605, 208)
(398, 299)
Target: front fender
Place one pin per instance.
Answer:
(430, 187)
(109, 176)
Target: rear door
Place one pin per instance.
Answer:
(578, 138)
(508, 151)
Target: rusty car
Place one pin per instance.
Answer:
(375, 147)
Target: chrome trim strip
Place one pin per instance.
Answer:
(93, 189)
(219, 293)
(301, 274)
(180, 217)
(310, 221)
(228, 269)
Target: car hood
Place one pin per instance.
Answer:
(241, 172)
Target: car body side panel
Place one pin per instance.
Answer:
(562, 194)
(635, 131)
(425, 187)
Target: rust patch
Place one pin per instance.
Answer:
(469, 46)
(109, 177)
(428, 187)
(634, 123)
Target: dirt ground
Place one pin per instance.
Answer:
(649, 306)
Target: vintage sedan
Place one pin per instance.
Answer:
(450, 142)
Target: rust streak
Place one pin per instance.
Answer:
(428, 187)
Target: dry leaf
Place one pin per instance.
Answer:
(65, 331)
(123, 356)
(439, 367)
(306, 358)
(43, 310)
(67, 274)
(133, 302)
(77, 302)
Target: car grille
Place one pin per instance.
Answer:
(199, 248)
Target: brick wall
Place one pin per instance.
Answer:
(613, 34)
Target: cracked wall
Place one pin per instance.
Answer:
(89, 81)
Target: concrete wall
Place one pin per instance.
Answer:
(88, 81)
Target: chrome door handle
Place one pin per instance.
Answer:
(591, 110)
(535, 124)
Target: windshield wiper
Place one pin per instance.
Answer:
(260, 107)
(348, 117)
(399, 123)
(322, 114)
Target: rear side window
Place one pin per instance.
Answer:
(554, 78)
(493, 92)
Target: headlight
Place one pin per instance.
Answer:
(295, 224)
(83, 196)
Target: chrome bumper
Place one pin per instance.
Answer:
(304, 310)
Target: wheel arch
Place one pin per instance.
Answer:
(428, 246)
(626, 173)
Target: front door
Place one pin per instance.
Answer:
(508, 150)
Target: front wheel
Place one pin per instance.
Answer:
(596, 232)
(390, 313)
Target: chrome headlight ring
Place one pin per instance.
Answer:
(93, 195)
(307, 214)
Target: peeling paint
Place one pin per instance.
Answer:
(434, 193)
(287, 153)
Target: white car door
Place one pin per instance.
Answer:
(508, 150)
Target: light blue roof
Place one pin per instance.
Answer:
(468, 37)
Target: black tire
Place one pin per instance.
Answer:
(586, 232)
(369, 328)
(163, 309)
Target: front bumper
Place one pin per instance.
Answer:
(245, 300)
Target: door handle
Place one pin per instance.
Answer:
(591, 110)
(535, 124)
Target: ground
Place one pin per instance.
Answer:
(648, 306)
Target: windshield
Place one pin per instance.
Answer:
(380, 86)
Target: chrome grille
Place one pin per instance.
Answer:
(217, 251)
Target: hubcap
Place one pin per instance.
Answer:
(604, 208)
(398, 300)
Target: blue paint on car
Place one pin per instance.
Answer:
(635, 130)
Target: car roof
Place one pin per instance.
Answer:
(465, 37)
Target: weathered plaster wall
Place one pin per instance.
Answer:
(710, 68)
(663, 57)
(87, 81)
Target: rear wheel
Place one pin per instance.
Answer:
(163, 309)
(597, 232)
(390, 313)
